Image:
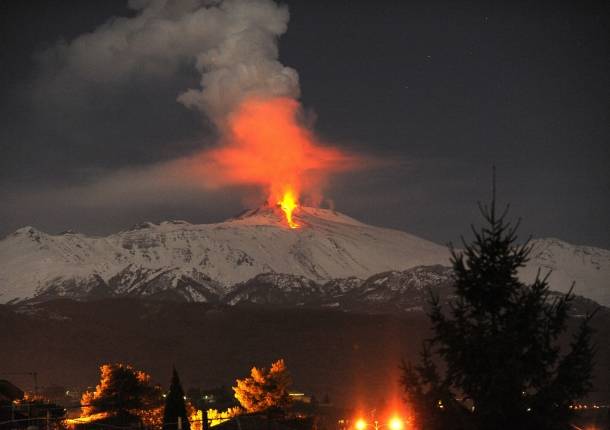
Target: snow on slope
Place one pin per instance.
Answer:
(328, 245)
(585, 266)
(175, 260)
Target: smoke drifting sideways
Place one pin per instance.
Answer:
(245, 91)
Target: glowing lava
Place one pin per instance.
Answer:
(265, 143)
(288, 204)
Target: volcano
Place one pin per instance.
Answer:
(208, 262)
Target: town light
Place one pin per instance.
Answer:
(360, 424)
(395, 424)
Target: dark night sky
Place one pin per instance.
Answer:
(446, 89)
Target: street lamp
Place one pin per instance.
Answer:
(395, 423)
(360, 424)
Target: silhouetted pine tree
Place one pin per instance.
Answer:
(498, 343)
(175, 406)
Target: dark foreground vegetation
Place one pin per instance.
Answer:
(498, 343)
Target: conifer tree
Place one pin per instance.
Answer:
(175, 406)
(498, 342)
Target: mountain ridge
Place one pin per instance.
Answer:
(202, 262)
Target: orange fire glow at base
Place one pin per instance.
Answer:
(288, 204)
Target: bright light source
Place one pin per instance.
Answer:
(395, 424)
(360, 424)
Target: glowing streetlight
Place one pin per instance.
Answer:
(360, 424)
(395, 424)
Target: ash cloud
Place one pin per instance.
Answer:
(232, 44)
(116, 108)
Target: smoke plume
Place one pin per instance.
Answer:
(232, 43)
(265, 145)
(244, 90)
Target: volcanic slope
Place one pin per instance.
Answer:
(178, 261)
(201, 261)
(587, 267)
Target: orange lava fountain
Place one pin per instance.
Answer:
(264, 144)
(288, 204)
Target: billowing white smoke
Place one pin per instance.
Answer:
(246, 62)
(232, 43)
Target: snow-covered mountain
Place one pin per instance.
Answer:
(585, 266)
(202, 259)
(254, 258)
(393, 292)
